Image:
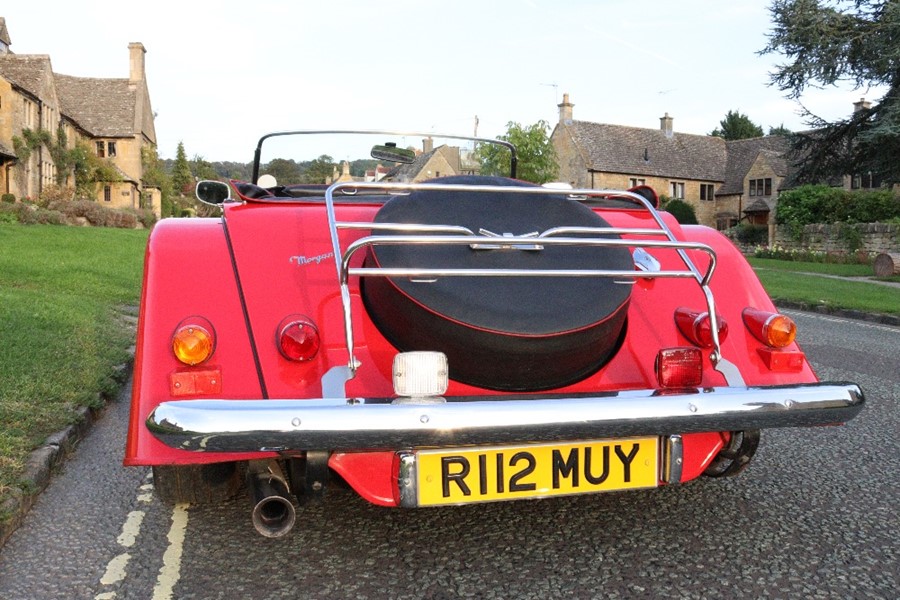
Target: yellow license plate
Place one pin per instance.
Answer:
(465, 475)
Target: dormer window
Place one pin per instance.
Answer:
(761, 187)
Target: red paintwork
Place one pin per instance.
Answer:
(283, 254)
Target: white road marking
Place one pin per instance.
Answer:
(115, 570)
(131, 528)
(170, 572)
(117, 567)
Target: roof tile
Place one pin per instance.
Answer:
(103, 107)
(25, 70)
(640, 151)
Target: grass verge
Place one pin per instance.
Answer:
(62, 292)
(834, 293)
(811, 267)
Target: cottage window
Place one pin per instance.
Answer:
(101, 149)
(677, 189)
(761, 187)
(111, 149)
(635, 181)
(28, 108)
(707, 191)
(865, 181)
(107, 193)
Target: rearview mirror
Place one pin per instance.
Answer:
(213, 192)
(392, 153)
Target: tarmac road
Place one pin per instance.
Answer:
(814, 516)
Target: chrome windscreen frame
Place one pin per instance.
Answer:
(413, 234)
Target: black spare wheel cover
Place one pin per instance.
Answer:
(502, 333)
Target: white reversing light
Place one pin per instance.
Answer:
(418, 374)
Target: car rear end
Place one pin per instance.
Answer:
(321, 347)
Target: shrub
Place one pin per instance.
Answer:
(68, 212)
(50, 217)
(755, 235)
(54, 193)
(9, 198)
(99, 215)
(8, 214)
(120, 219)
(682, 211)
(823, 204)
(146, 217)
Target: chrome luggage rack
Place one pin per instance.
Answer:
(421, 234)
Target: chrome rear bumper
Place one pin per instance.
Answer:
(383, 424)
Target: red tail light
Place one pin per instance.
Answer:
(679, 367)
(772, 329)
(194, 340)
(298, 338)
(697, 328)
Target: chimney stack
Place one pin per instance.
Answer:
(136, 53)
(665, 124)
(863, 104)
(565, 110)
(427, 145)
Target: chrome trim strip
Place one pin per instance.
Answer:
(371, 424)
(673, 459)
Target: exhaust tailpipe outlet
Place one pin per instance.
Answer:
(273, 512)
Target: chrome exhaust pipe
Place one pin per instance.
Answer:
(273, 512)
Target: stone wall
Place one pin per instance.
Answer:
(873, 237)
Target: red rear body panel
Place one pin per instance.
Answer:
(263, 262)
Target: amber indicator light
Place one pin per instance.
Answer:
(194, 341)
(772, 329)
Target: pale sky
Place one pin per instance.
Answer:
(223, 73)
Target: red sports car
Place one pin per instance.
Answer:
(430, 339)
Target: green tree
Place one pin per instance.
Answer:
(155, 176)
(285, 171)
(182, 178)
(780, 130)
(320, 170)
(537, 160)
(827, 42)
(202, 169)
(737, 126)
